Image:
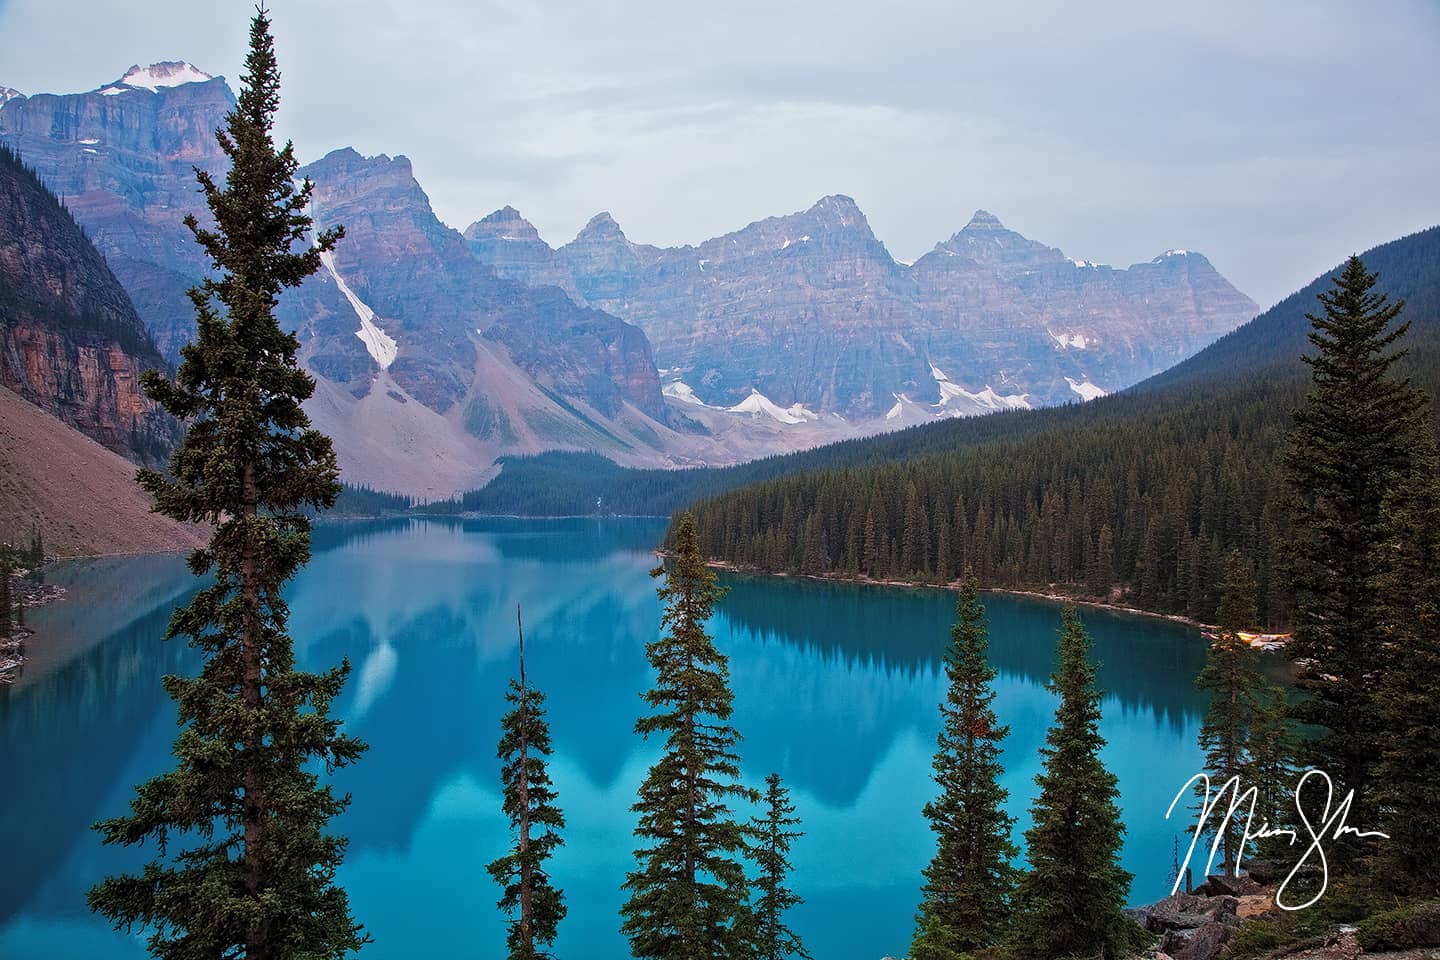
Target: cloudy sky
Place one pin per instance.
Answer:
(1275, 137)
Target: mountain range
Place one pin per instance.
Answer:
(811, 309)
(439, 354)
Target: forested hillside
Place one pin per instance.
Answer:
(1138, 496)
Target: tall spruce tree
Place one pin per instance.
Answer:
(771, 837)
(689, 899)
(968, 884)
(1408, 775)
(1351, 439)
(245, 867)
(1231, 677)
(534, 903)
(1071, 900)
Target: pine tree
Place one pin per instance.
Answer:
(1071, 900)
(256, 875)
(689, 899)
(535, 818)
(1408, 774)
(1271, 764)
(1232, 678)
(1351, 438)
(969, 881)
(770, 849)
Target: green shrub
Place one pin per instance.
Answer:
(1413, 925)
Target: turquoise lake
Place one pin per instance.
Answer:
(836, 688)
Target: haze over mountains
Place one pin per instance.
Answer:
(437, 354)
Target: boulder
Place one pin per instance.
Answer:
(1186, 911)
(1222, 885)
(1254, 905)
(1267, 871)
(1202, 943)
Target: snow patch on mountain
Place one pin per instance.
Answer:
(169, 73)
(1076, 341)
(380, 345)
(894, 412)
(960, 402)
(9, 93)
(1085, 389)
(680, 390)
(757, 404)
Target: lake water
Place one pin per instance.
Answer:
(836, 688)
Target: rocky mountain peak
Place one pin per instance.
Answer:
(344, 173)
(504, 224)
(9, 93)
(167, 73)
(602, 226)
(983, 220)
(986, 240)
(1181, 258)
(838, 210)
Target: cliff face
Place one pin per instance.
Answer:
(122, 157)
(810, 308)
(437, 298)
(70, 340)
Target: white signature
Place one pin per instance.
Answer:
(1332, 826)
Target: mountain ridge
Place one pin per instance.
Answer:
(811, 308)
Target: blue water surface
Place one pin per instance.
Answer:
(836, 688)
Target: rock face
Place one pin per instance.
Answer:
(122, 157)
(812, 309)
(430, 365)
(70, 341)
(417, 273)
(426, 356)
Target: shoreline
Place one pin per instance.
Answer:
(31, 594)
(954, 584)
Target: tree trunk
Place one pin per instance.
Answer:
(253, 810)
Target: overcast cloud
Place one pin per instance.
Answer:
(1276, 137)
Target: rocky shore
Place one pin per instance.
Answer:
(27, 592)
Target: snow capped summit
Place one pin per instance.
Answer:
(9, 93)
(168, 73)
